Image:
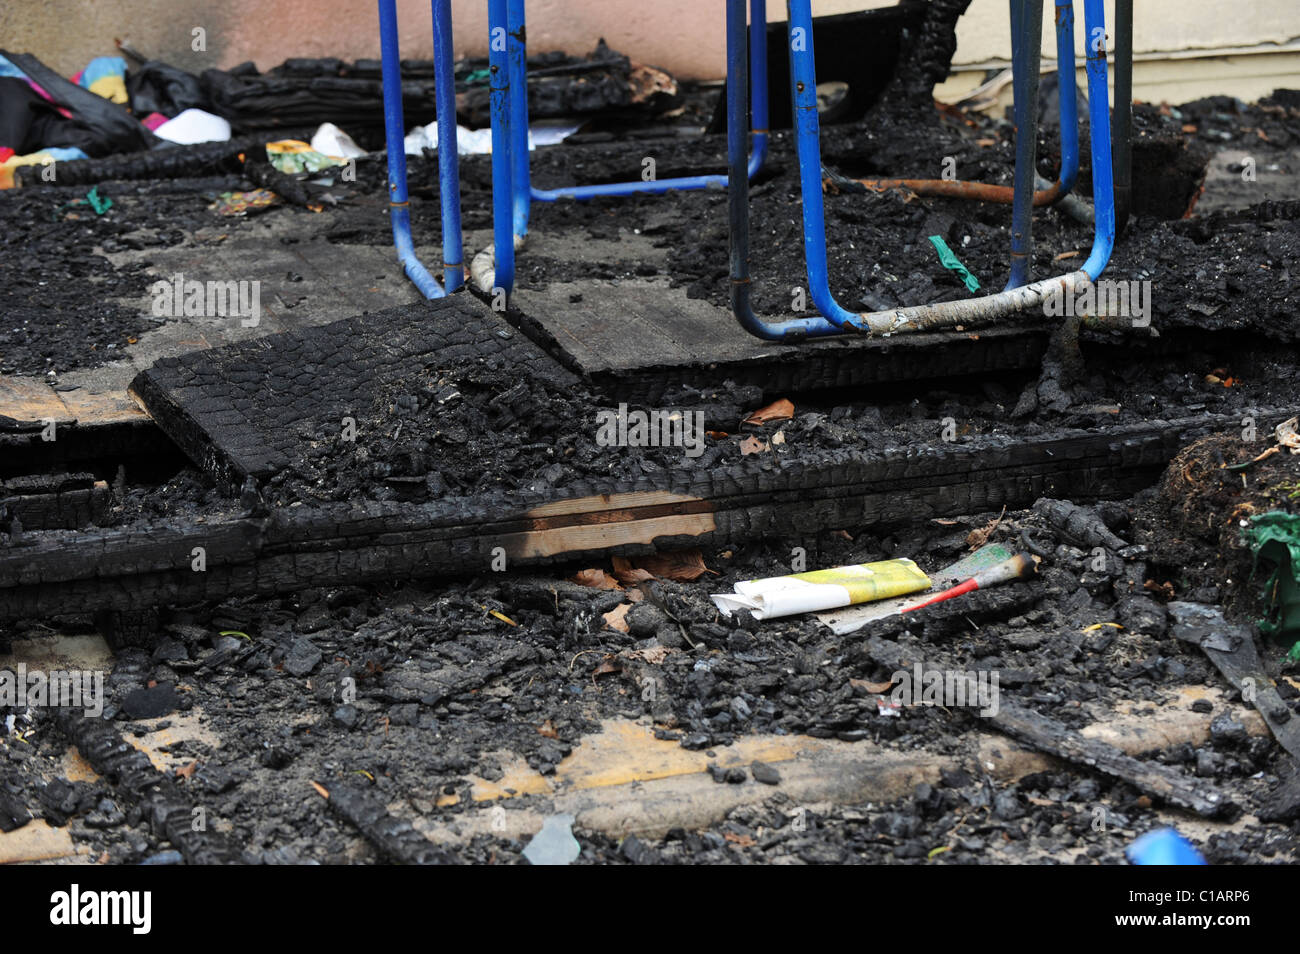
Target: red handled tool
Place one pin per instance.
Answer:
(1019, 567)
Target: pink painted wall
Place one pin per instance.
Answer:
(679, 35)
(682, 36)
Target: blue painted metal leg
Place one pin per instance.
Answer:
(517, 40)
(807, 127)
(757, 85)
(1067, 88)
(399, 210)
(1103, 186)
(1026, 54)
(738, 183)
(453, 247)
(502, 172)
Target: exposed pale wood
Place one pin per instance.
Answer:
(91, 409)
(604, 503)
(29, 404)
(604, 535)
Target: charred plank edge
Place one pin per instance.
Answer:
(68, 509)
(296, 547)
(394, 838)
(90, 428)
(1054, 738)
(135, 779)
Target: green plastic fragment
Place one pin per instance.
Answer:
(953, 263)
(1274, 538)
(100, 203)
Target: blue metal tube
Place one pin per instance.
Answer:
(453, 245)
(517, 40)
(807, 135)
(758, 73)
(1103, 185)
(1122, 119)
(738, 183)
(1067, 87)
(943, 315)
(1026, 54)
(503, 240)
(757, 85)
(395, 133)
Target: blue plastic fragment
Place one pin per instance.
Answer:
(1164, 846)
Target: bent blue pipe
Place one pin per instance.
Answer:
(738, 182)
(1026, 54)
(503, 236)
(807, 128)
(525, 193)
(1103, 185)
(399, 210)
(394, 137)
(911, 318)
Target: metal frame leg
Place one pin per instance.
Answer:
(1103, 184)
(509, 113)
(807, 131)
(738, 188)
(524, 191)
(1122, 118)
(502, 169)
(517, 41)
(1068, 101)
(448, 171)
(453, 245)
(1026, 50)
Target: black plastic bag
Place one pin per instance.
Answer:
(157, 87)
(30, 123)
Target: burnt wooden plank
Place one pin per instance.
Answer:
(394, 838)
(160, 798)
(1231, 647)
(66, 502)
(639, 338)
(101, 445)
(252, 408)
(91, 427)
(1054, 738)
(1161, 781)
(366, 541)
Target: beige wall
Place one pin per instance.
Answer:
(684, 36)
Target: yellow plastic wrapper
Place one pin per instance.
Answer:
(820, 590)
